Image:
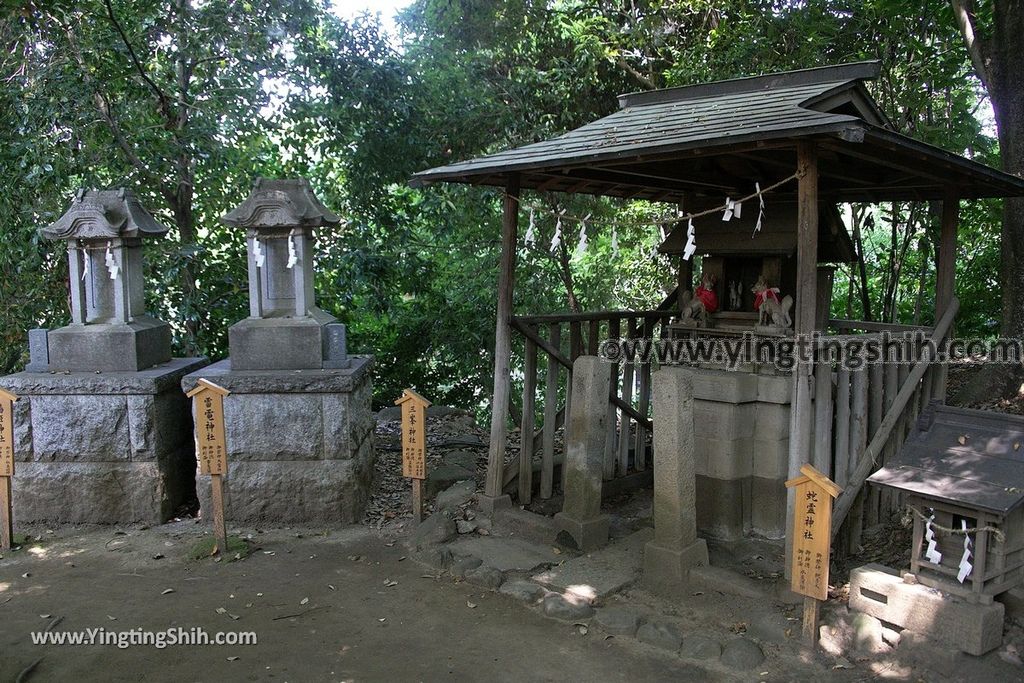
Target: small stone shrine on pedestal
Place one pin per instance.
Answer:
(299, 420)
(102, 434)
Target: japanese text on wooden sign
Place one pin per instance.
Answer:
(812, 532)
(211, 445)
(414, 434)
(7, 400)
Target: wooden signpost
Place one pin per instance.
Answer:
(7, 400)
(414, 446)
(812, 539)
(211, 448)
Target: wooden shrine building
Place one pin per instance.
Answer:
(817, 138)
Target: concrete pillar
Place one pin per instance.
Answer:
(581, 517)
(675, 548)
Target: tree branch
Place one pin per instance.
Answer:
(976, 48)
(636, 74)
(165, 105)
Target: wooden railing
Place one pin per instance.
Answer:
(862, 417)
(555, 341)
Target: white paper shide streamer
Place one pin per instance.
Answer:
(615, 243)
(85, 263)
(531, 235)
(581, 248)
(965, 561)
(931, 553)
(556, 239)
(292, 257)
(691, 242)
(760, 211)
(111, 261)
(258, 253)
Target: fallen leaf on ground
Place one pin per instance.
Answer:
(166, 591)
(303, 601)
(471, 605)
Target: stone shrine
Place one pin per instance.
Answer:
(101, 433)
(299, 422)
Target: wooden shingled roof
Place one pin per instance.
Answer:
(733, 133)
(971, 458)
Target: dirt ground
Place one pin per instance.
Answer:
(344, 605)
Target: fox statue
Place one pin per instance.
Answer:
(771, 311)
(704, 301)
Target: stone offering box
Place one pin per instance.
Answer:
(964, 466)
(102, 432)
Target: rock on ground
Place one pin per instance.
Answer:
(700, 647)
(436, 529)
(455, 495)
(461, 566)
(741, 653)
(617, 621)
(485, 577)
(560, 607)
(525, 591)
(660, 634)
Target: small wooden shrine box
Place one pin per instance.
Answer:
(964, 466)
(737, 255)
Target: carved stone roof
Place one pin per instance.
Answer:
(280, 204)
(97, 214)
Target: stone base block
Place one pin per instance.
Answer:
(666, 569)
(99, 492)
(299, 443)
(115, 347)
(328, 491)
(492, 504)
(971, 627)
(588, 534)
(280, 343)
(103, 448)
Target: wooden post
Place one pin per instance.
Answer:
(220, 529)
(811, 533)
(547, 470)
(493, 497)
(7, 400)
(527, 424)
(802, 410)
(685, 282)
(414, 445)
(945, 273)
(211, 448)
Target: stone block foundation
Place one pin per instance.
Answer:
(300, 443)
(102, 448)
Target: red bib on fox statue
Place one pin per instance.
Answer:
(771, 293)
(708, 298)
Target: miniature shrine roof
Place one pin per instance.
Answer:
(97, 214)
(277, 203)
(985, 471)
(734, 133)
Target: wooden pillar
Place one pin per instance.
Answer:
(685, 283)
(945, 274)
(493, 497)
(801, 408)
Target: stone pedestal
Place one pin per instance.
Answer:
(102, 448)
(581, 516)
(300, 443)
(675, 548)
(741, 427)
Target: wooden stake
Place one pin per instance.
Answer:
(6, 515)
(417, 500)
(220, 531)
(811, 621)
